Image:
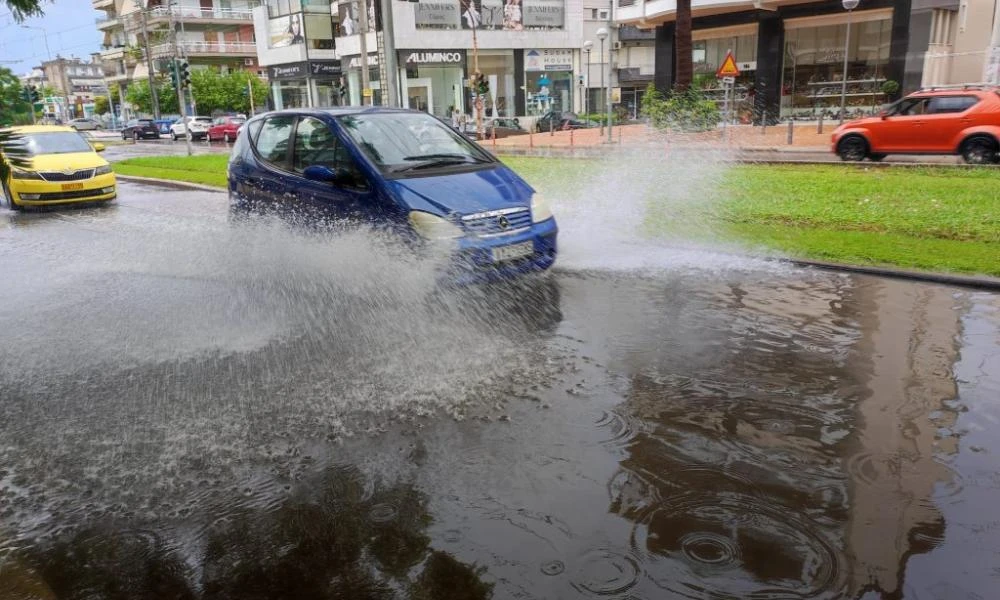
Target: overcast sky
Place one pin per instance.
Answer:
(68, 24)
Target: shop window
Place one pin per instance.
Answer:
(319, 32)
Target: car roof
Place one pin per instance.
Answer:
(340, 111)
(26, 129)
(951, 91)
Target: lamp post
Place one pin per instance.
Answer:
(48, 54)
(587, 47)
(602, 34)
(849, 5)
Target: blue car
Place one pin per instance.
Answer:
(399, 168)
(164, 124)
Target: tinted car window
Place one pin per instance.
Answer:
(272, 143)
(253, 129)
(316, 144)
(913, 106)
(952, 104)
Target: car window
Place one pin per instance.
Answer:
(253, 129)
(316, 144)
(56, 142)
(272, 143)
(952, 104)
(912, 107)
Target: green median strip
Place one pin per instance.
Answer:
(935, 219)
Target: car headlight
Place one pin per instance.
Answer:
(433, 227)
(102, 170)
(540, 210)
(23, 174)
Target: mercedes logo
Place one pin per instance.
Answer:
(503, 222)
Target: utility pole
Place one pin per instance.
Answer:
(392, 95)
(611, 46)
(149, 65)
(363, 23)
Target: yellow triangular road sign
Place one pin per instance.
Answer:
(728, 68)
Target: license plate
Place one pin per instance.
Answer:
(513, 252)
(72, 186)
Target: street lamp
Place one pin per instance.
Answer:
(45, 37)
(602, 34)
(587, 47)
(849, 5)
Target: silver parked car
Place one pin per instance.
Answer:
(85, 124)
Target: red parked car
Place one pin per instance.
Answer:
(225, 129)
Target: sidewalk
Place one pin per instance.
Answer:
(738, 137)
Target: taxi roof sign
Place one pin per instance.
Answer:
(728, 68)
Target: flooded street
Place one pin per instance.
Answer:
(191, 408)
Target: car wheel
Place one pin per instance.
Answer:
(135, 136)
(876, 157)
(852, 148)
(979, 150)
(124, 137)
(225, 138)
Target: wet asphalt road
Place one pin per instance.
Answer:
(191, 408)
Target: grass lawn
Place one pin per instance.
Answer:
(937, 219)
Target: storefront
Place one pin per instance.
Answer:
(709, 50)
(548, 81)
(813, 73)
(305, 84)
(498, 68)
(355, 91)
(433, 80)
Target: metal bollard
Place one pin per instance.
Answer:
(619, 134)
(791, 131)
(531, 136)
(551, 131)
(819, 128)
(763, 123)
(571, 138)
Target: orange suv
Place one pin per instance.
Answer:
(963, 121)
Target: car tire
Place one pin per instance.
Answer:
(173, 135)
(225, 138)
(124, 137)
(852, 148)
(979, 150)
(876, 157)
(135, 137)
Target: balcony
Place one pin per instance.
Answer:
(634, 76)
(102, 4)
(631, 33)
(207, 49)
(113, 53)
(206, 15)
(108, 23)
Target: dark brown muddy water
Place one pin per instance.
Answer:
(217, 424)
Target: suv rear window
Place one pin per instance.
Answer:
(951, 104)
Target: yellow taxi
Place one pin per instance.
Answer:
(63, 168)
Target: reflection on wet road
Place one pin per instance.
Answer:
(193, 409)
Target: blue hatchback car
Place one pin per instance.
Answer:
(401, 168)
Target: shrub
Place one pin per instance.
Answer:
(682, 110)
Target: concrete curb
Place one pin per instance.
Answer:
(991, 284)
(170, 183)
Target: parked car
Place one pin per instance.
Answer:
(225, 128)
(85, 124)
(140, 129)
(199, 128)
(403, 169)
(503, 127)
(963, 121)
(64, 169)
(559, 121)
(164, 125)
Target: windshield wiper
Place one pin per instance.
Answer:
(438, 160)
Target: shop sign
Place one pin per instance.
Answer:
(548, 60)
(324, 68)
(549, 14)
(441, 14)
(289, 71)
(354, 62)
(432, 57)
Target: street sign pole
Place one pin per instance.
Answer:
(727, 74)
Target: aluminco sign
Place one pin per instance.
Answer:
(432, 57)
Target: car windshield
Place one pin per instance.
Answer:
(205, 120)
(405, 141)
(144, 122)
(57, 142)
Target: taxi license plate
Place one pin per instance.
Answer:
(513, 252)
(72, 186)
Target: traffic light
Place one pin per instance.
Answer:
(26, 93)
(480, 84)
(184, 73)
(36, 95)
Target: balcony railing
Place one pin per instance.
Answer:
(631, 33)
(187, 12)
(106, 22)
(189, 48)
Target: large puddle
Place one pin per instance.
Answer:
(189, 412)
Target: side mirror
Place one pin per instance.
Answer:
(884, 114)
(98, 147)
(321, 173)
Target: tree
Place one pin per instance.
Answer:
(142, 101)
(216, 93)
(22, 9)
(101, 105)
(682, 37)
(13, 106)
